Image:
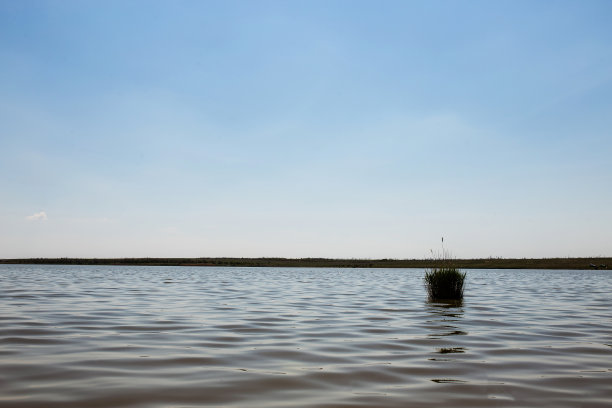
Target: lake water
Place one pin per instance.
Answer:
(118, 336)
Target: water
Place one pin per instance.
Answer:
(102, 336)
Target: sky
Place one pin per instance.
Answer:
(340, 129)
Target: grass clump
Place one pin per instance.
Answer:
(444, 283)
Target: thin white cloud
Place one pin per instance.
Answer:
(40, 216)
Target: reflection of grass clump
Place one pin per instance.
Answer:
(451, 350)
(444, 283)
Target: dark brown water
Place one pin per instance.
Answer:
(79, 336)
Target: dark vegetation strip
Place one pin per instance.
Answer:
(485, 263)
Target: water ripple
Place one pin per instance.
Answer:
(95, 336)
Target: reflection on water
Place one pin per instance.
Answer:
(447, 350)
(447, 380)
(445, 318)
(75, 336)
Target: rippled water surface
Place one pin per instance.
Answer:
(101, 336)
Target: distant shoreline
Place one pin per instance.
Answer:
(483, 263)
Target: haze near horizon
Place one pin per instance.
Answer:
(340, 129)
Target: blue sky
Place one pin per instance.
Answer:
(304, 129)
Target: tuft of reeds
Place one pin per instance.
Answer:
(444, 281)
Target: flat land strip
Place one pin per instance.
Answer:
(485, 263)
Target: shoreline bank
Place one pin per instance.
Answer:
(598, 263)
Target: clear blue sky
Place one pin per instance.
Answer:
(360, 129)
